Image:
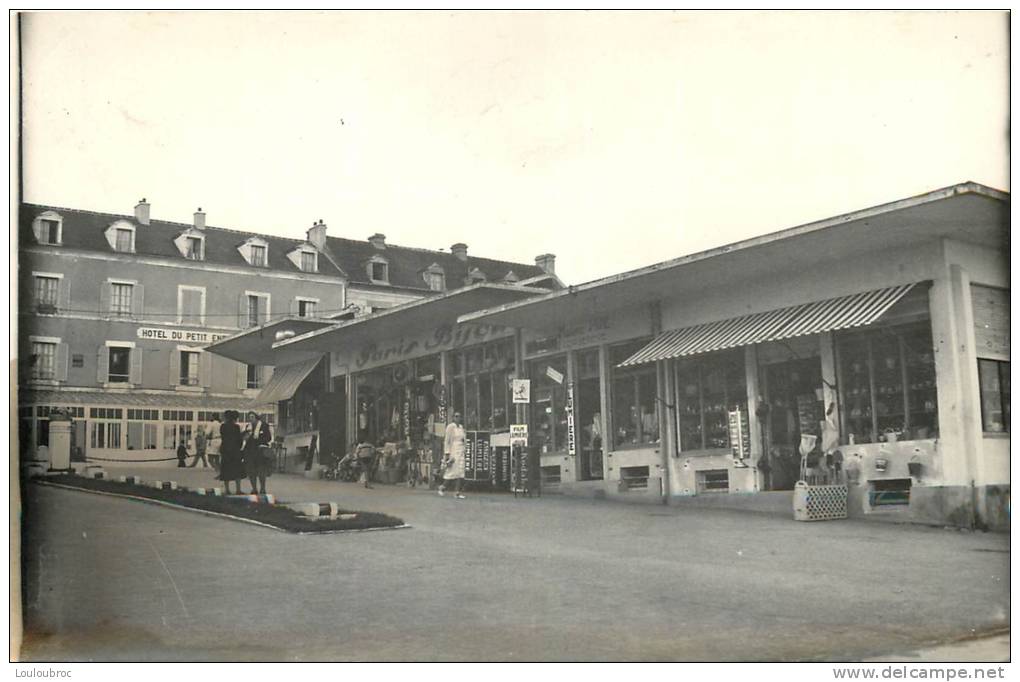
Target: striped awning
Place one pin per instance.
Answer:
(831, 314)
(285, 381)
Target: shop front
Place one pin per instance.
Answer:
(869, 349)
(407, 370)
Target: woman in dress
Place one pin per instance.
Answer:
(231, 465)
(454, 447)
(258, 462)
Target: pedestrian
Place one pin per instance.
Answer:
(365, 454)
(200, 449)
(212, 443)
(231, 465)
(453, 456)
(182, 455)
(257, 461)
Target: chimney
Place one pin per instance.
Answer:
(547, 262)
(378, 241)
(317, 234)
(199, 219)
(142, 211)
(460, 251)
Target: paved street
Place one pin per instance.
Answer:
(493, 578)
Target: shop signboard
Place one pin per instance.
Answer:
(521, 391)
(519, 435)
(554, 375)
(469, 457)
(571, 438)
(174, 335)
(379, 353)
(740, 434)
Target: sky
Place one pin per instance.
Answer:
(613, 140)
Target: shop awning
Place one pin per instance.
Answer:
(285, 381)
(831, 314)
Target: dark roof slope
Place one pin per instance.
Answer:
(86, 230)
(406, 264)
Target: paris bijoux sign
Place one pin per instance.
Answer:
(179, 335)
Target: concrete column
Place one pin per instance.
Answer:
(755, 428)
(667, 398)
(955, 375)
(60, 445)
(607, 423)
(830, 397)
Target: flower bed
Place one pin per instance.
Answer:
(277, 516)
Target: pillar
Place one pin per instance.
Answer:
(754, 426)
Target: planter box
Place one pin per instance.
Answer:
(819, 502)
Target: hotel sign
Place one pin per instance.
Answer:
(179, 335)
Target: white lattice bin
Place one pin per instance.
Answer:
(819, 502)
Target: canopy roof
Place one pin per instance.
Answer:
(409, 317)
(968, 212)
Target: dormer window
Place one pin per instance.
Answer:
(193, 248)
(191, 244)
(255, 251)
(379, 270)
(511, 278)
(476, 276)
(435, 277)
(47, 228)
(308, 261)
(121, 236)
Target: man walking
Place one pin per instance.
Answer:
(453, 456)
(200, 443)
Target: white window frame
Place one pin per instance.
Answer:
(37, 227)
(181, 288)
(119, 344)
(36, 276)
(181, 350)
(122, 282)
(305, 299)
(111, 235)
(245, 250)
(378, 260)
(269, 307)
(191, 255)
(260, 371)
(55, 341)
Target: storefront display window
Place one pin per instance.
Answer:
(708, 388)
(549, 403)
(994, 379)
(480, 385)
(887, 384)
(635, 417)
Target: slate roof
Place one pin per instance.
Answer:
(406, 264)
(86, 230)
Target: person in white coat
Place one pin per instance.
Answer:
(453, 456)
(212, 443)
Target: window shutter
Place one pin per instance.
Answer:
(37, 229)
(175, 367)
(205, 369)
(294, 307)
(136, 366)
(242, 311)
(137, 300)
(104, 298)
(263, 309)
(242, 376)
(103, 364)
(64, 295)
(267, 374)
(62, 361)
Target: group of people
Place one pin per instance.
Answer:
(238, 453)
